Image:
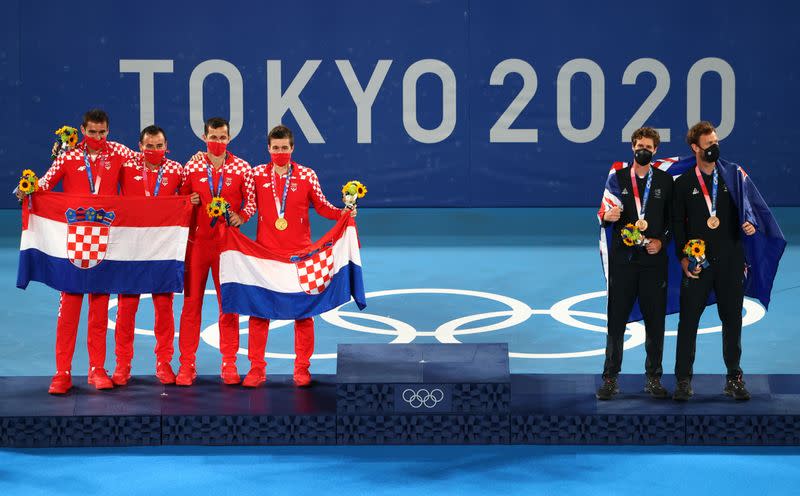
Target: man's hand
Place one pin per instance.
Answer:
(20, 195)
(194, 198)
(198, 157)
(612, 215)
(353, 211)
(685, 267)
(748, 228)
(654, 246)
(234, 220)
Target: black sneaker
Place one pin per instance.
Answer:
(608, 389)
(734, 387)
(654, 387)
(683, 391)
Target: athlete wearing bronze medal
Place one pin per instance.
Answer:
(639, 271)
(704, 209)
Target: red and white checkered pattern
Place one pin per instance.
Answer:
(87, 243)
(316, 272)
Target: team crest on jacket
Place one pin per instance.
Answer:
(87, 236)
(228, 181)
(315, 272)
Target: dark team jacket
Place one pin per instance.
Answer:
(690, 212)
(658, 215)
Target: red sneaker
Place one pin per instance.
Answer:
(302, 378)
(98, 377)
(61, 383)
(122, 374)
(186, 375)
(229, 373)
(164, 373)
(255, 377)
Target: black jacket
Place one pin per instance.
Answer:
(691, 214)
(658, 214)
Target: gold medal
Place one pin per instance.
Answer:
(641, 224)
(281, 224)
(713, 222)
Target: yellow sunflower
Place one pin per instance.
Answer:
(362, 190)
(627, 241)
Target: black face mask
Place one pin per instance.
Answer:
(710, 154)
(643, 156)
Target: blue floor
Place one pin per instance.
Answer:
(528, 277)
(509, 470)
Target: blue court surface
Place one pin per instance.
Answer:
(528, 277)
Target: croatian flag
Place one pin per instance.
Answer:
(763, 250)
(286, 285)
(104, 244)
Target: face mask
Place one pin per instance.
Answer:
(643, 156)
(710, 154)
(154, 156)
(95, 143)
(280, 159)
(216, 148)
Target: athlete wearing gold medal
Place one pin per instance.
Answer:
(285, 191)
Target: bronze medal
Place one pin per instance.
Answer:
(713, 222)
(281, 224)
(641, 224)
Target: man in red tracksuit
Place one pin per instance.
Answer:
(284, 192)
(91, 167)
(216, 173)
(149, 174)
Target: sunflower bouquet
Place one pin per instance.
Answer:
(67, 139)
(695, 249)
(28, 183)
(217, 208)
(632, 236)
(352, 192)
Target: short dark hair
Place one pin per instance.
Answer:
(95, 115)
(646, 132)
(700, 129)
(280, 132)
(152, 130)
(216, 123)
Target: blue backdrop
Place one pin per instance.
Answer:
(429, 103)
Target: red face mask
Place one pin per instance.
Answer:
(216, 148)
(154, 156)
(95, 143)
(280, 159)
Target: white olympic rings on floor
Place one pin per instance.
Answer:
(518, 313)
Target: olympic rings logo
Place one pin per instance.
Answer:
(423, 397)
(518, 312)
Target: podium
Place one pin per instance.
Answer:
(423, 393)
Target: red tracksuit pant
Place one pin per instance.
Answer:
(164, 327)
(202, 255)
(69, 315)
(303, 342)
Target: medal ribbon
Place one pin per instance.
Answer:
(710, 202)
(92, 186)
(641, 205)
(146, 172)
(280, 206)
(211, 180)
